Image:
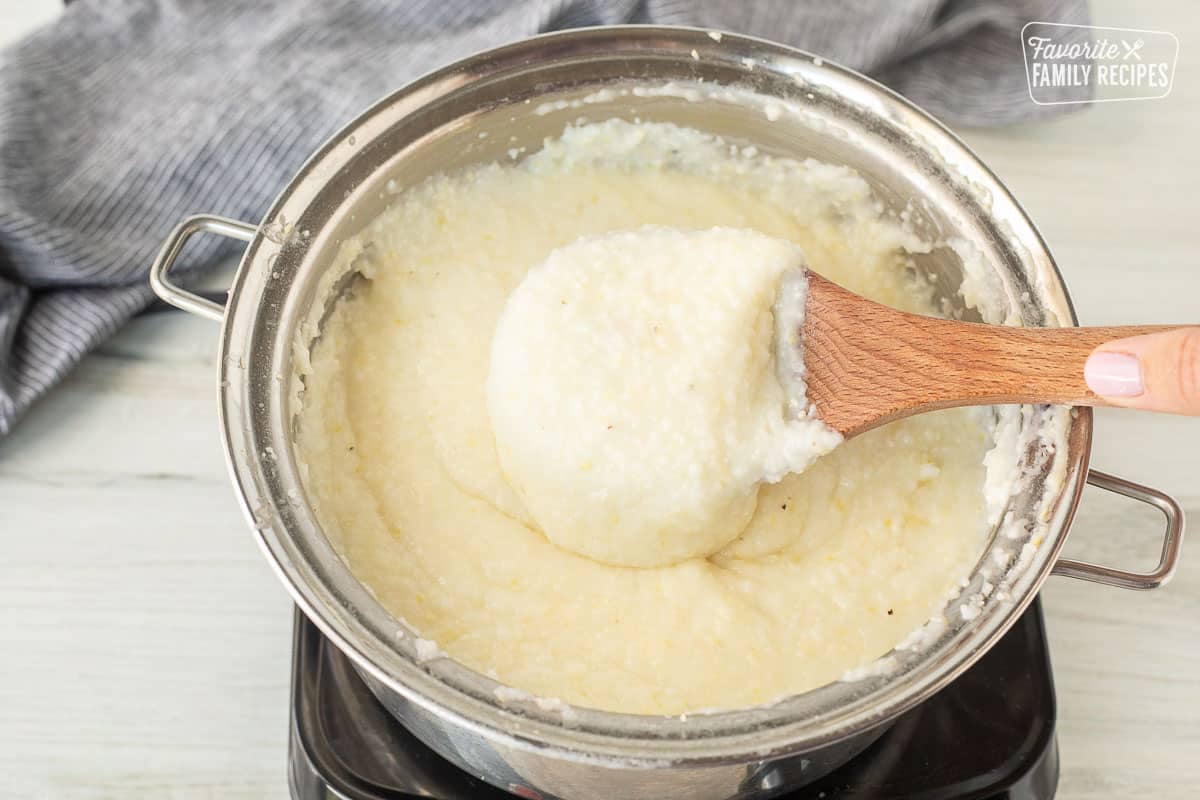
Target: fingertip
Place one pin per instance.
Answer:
(1115, 374)
(1154, 371)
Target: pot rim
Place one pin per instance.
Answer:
(753, 734)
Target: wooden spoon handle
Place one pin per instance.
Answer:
(874, 364)
(987, 364)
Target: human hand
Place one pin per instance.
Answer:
(1156, 372)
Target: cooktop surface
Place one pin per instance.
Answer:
(987, 736)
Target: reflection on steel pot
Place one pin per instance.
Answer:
(514, 94)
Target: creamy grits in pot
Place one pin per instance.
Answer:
(636, 396)
(484, 521)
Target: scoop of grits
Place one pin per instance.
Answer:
(633, 392)
(833, 567)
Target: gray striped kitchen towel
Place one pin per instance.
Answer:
(124, 116)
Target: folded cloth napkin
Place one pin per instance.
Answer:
(124, 116)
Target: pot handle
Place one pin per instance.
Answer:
(1172, 539)
(176, 295)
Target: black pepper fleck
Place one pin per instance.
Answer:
(889, 612)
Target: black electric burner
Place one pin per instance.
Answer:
(987, 736)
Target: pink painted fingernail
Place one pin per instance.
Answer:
(1113, 374)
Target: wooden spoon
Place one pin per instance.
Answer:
(868, 364)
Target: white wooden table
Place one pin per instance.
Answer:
(145, 643)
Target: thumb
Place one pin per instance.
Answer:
(1157, 371)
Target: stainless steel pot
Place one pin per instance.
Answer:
(512, 93)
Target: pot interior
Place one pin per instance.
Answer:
(502, 105)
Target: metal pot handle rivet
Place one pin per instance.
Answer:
(160, 279)
(1171, 545)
